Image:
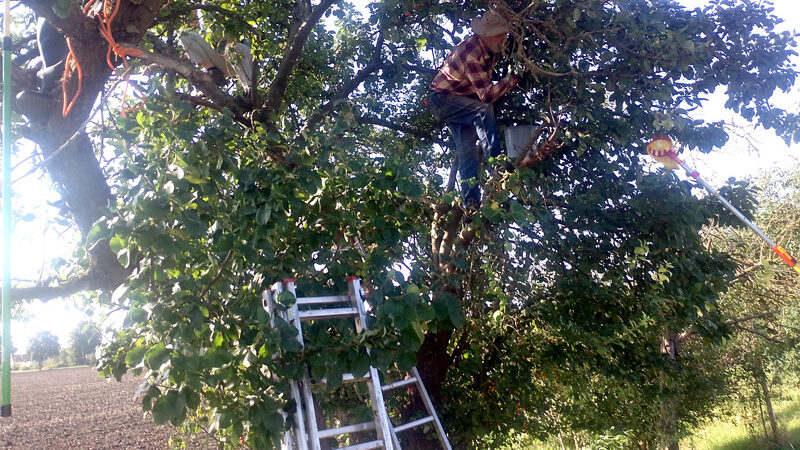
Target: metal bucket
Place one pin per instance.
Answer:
(518, 139)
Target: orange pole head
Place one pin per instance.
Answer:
(661, 149)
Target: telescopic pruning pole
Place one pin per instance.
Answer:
(5, 404)
(780, 251)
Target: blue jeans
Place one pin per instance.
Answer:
(469, 120)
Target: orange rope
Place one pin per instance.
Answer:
(106, 19)
(67, 107)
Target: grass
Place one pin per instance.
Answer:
(723, 434)
(732, 434)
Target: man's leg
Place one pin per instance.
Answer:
(468, 119)
(486, 127)
(464, 137)
(469, 111)
(53, 50)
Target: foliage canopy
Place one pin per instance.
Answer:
(557, 294)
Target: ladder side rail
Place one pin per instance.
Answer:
(289, 441)
(308, 396)
(384, 427)
(426, 399)
(395, 440)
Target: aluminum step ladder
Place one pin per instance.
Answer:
(305, 434)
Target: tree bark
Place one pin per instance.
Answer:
(69, 156)
(669, 406)
(761, 378)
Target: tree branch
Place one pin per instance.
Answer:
(46, 292)
(197, 77)
(691, 332)
(758, 333)
(75, 25)
(195, 6)
(222, 266)
(277, 90)
(366, 120)
(763, 315)
(373, 65)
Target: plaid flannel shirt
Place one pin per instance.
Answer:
(468, 71)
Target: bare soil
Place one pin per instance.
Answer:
(77, 409)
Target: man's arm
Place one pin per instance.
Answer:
(487, 91)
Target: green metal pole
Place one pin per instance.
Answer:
(5, 405)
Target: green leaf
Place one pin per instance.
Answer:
(124, 257)
(273, 421)
(137, 315)
(218, 339)
(195, 180)
(116, 243)
(156, 356)
(456, 315)
(263, 214)
(135, 355)
(169, 407)
(406, 360)
(261, 316)
(360, 364)
(98, 232)
(286, 299)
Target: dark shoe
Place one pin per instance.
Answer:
(49, 76)
(505, 167)
(470, 206)
(36, 106)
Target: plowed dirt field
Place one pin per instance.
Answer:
(76, 409)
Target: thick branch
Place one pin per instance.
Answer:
(195, 76)
(758, 333)
(291, 58)
(193, 7)
(76, 24)
(366, 120)
(735, 322)
(50, 292)
(744, 274)
(763, 315)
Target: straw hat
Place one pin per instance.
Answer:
(490, 24)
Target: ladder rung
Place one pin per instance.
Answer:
(346, 378)
(398, 384)
(413, 424)
(327, 300)
(333, 313)
(364, 446)
(331, 432)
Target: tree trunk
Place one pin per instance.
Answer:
(433, 360)
(669, 406)
(69, 157)
(761, 378)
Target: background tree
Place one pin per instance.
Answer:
(761, 304)
(84, 340)
(550, 307)
(43, 345)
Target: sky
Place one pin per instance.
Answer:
(738, 159)
(34, 244)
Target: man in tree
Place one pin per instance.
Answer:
(463, 95)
